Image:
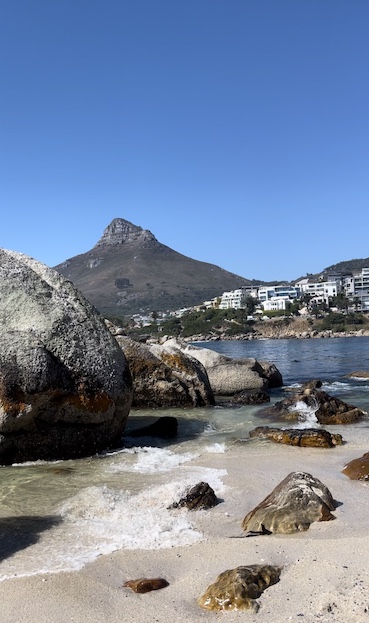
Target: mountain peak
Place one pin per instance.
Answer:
(121, 231)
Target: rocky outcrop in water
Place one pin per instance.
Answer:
(228, 376)
(199, 497)
(165, 378)
(359, 374)
(299, 500)
(302, 437)
(65, 387)
(327, 409)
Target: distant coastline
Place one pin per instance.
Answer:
(275, 331)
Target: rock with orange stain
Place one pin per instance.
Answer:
(65, 385)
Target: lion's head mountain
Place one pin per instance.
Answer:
(130, 271)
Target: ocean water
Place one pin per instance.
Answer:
(61, 515)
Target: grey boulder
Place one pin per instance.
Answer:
(227, 375)
(65, 386)
(165, 377)
(298, 500)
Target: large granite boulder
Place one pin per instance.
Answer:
(165, 378)
(65, 387)
(326, 409)
(302, 437)
(238, 589)
(298, 500)
(228, 376)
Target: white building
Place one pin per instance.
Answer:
(357, 288)
(322, 289)
(268, 292)
(234, 299)
(276, 303)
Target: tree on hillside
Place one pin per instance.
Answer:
(340, 301)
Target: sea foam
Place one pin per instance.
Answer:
(103, 518)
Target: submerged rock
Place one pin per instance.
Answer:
(359, 374)
(238, 589)
(65, 386)
(298, 500)
(302, 437)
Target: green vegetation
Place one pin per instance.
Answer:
(341, 322)
(213, 323)
(228, 321)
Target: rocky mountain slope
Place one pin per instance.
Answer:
(129, 271)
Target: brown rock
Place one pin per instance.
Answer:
(145, 585)
(360, 374)
(305, 437)
(328, 409)
(313, 384)
(358, 469)
(238, 589)
(292, 506)
(271, 372)
(340, 417)
(165, 380)
(199, 497)
(250, 397)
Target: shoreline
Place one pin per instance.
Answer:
(280, 336)
(324, 572)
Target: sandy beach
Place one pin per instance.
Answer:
(324, 576)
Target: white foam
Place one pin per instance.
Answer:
(148, 460)
(306, 413)
(101, 519)
(216, 448)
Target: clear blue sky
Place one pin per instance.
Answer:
(237, 131)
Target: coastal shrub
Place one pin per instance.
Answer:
(172, 326)
(234, 328)
(340, 322)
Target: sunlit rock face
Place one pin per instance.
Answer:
(65, 386)
(238, 589)
(294, 504)
(301, 437)
(227, 376)
(358, 469)
(163, 378)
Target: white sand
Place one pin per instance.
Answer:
(325, 576)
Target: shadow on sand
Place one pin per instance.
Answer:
(17, 533)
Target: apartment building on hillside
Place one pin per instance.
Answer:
(355, 287)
